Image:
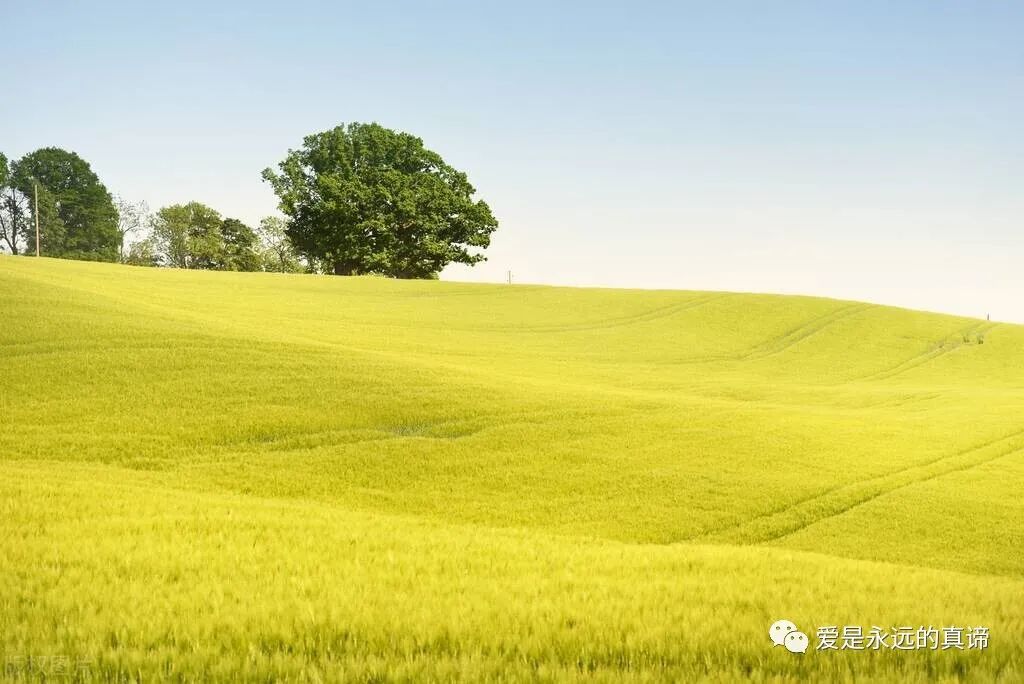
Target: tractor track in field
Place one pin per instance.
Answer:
(1015, 449)
(435, 430)
(652, 315)
(932, 354)
(787, 340)
(838, 500)
(781, 343)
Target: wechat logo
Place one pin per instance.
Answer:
(785, 633)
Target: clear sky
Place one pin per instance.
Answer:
(865, 150)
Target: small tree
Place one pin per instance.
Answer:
(132, 217)
(143, 252)
(278, 253)
(14, 212)
(366, 199)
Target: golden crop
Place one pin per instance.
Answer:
(257, 477)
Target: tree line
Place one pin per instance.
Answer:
(80, 219)
(356, 199)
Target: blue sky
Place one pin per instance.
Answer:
(867, 150)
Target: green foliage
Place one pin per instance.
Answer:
(78, 219)
(188, 235)
(233, 477)
(195, 236)
(18, 203)
(52, 229)
(365, 199)
(240, 247)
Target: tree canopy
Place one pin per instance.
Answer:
(362, 198)
(187, 235)
(77, 215)
(194, 235)
(241, 247)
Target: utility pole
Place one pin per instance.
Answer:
(35, 188)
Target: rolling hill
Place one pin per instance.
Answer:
(230, 476)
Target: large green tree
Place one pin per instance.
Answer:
(362, 198)
(79, 220)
